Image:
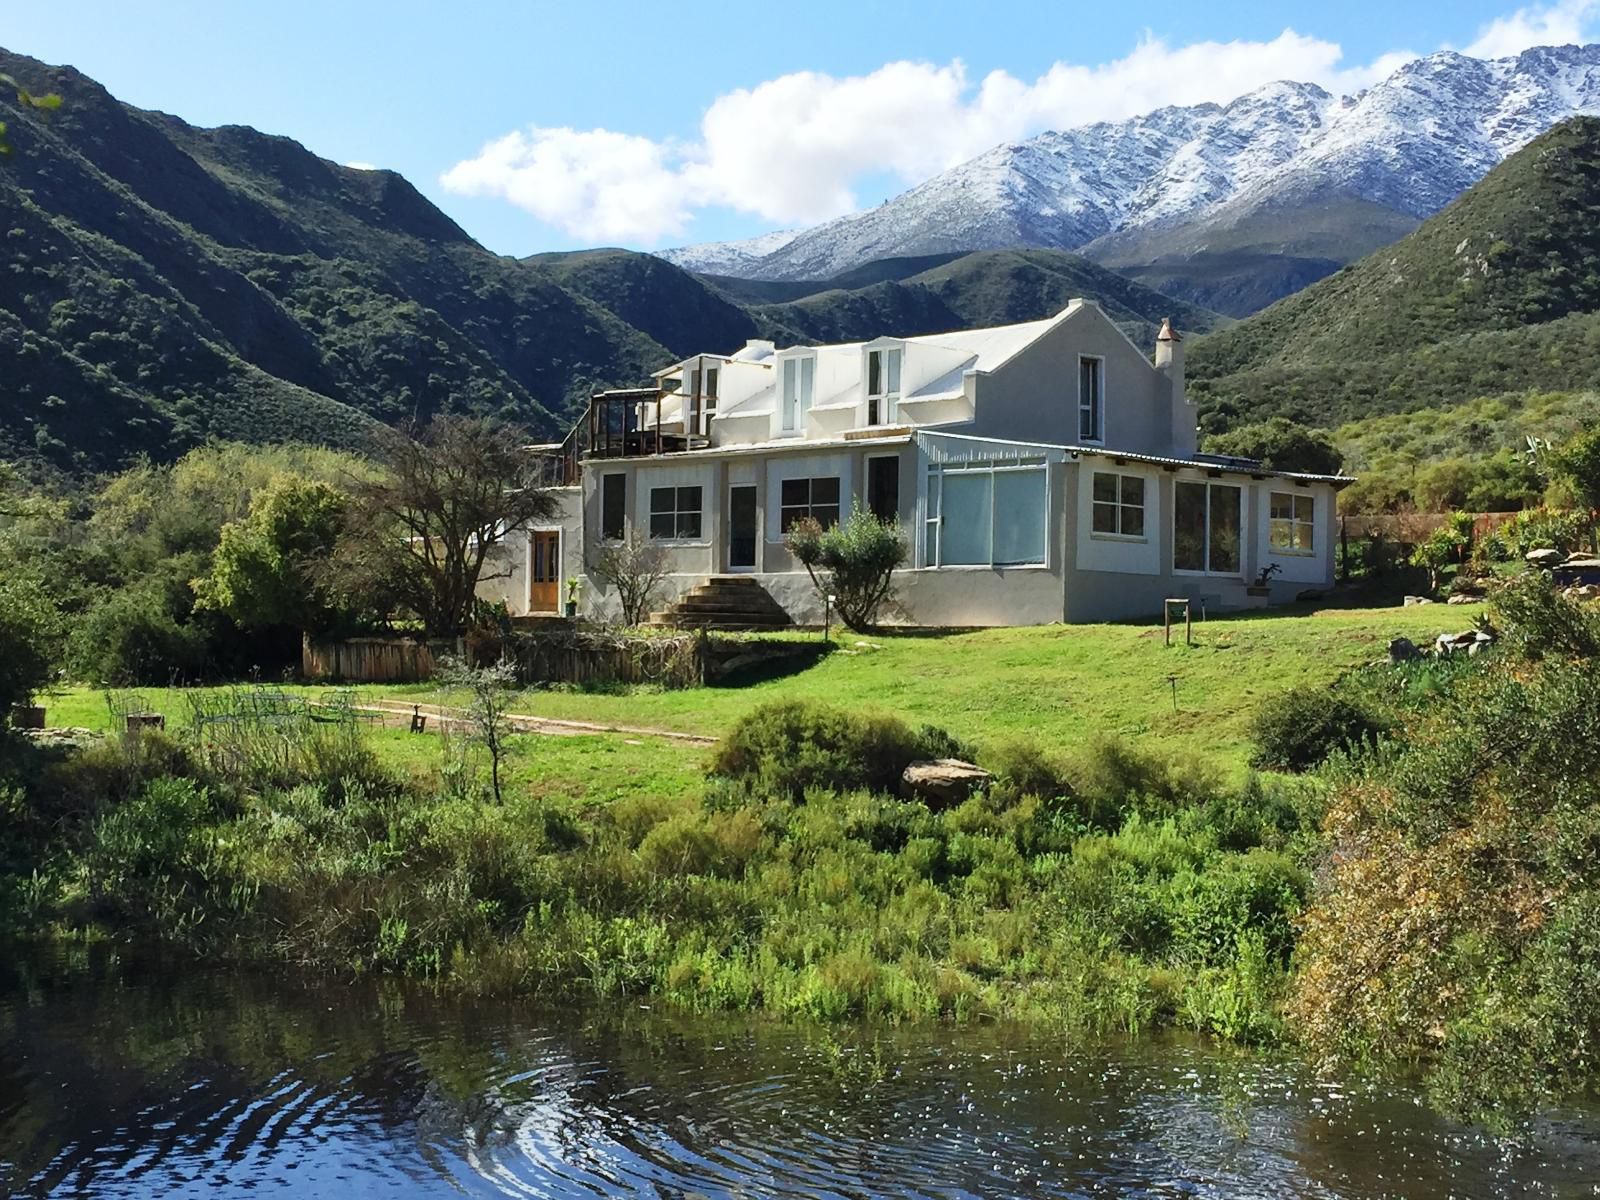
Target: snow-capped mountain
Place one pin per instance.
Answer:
(1184, 181)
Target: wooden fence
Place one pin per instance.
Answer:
(591, 659)
(371, 659)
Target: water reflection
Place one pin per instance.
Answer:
(130, 1077)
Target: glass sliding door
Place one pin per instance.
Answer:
(1207, 525)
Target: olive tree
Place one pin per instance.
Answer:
(854, 563)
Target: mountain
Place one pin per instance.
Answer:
(163, 284)
(1498, 293)
(1209, 201)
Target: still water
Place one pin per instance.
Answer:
(131, 1077)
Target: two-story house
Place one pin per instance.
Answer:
(1041, 472)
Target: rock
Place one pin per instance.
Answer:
(1543, 558)
(1413, 601)
(1403, 650)
(1466, 598)
(943, 782)
(1454, 643)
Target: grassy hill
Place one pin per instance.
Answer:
(1498, 293)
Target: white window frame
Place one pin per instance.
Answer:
(1293, 520)
(793, 407)
(887, 397)
(1208, 484)
(677, 512)
(1095, 406)
(1143, 506)
(933, 512)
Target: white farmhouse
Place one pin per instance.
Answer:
(1042, 472)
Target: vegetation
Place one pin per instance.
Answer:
(1281, 445)
(1499, 293)
(635, 567)
(1305, 726)
(851, 564)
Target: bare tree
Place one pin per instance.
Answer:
(636, 567)
(423, 531)
(489, 691)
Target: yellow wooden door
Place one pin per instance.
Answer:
(544, 579)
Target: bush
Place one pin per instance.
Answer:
(782, 750)
(854, 563)
(1544, 529)
(130, 637)
(1536, 621)
(1298, 729)
(29, 641)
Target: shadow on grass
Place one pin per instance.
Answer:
(766, 662)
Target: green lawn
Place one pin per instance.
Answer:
(1056, 684)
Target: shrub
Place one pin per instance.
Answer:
(1111, 779)
(29, 641)
(1537, 621)
(636, 567)
(1298, 729)
(131, 637)
(854, 563)
(784, 749)
(1544, 529)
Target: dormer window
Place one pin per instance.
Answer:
(883, 385)
(799, 381)
(1091, 398)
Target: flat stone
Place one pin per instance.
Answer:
(1466, 598)
(1413, 601)
(943, 782)
(1543, 558)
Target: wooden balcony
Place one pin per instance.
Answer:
(624, 423)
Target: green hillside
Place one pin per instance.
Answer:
(164, 285)
(1498, 293)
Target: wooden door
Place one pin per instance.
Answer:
(544, 575)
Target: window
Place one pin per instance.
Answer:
(799, 377)
(1118, 504)
(883, 486)
(986, 515)
(814, 498)
(613, 505)
(675, 513)
(1205, 534)
(1091, 373)
(1293, 523)
(883, 385)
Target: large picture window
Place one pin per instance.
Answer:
(1206, 524)
(675, 513)
(814, 498)
(1292, 528)
(1091, 399)
(986, 515)
(799, 380)
(1118, 504)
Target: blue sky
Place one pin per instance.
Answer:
(547, 126)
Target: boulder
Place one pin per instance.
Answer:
(1465, 598)
(1403, 649)
(1413, 601)
(943, 782)
(1543, 558)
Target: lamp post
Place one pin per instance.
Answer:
(827, 615)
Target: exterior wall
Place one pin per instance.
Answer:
(511, 561)
(1034, 397)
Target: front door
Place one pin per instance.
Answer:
(883, 486)
(742, 530)
(544, 574)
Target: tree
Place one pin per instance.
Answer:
(1577, 464)
(1450, 543)
(1280, 445)
(489, 691)
(25, 99)
(261, 571)
(636, 567)
(424, 529)
(853, 562)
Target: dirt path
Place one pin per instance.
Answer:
(398, 714)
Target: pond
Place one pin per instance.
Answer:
(127, 1075)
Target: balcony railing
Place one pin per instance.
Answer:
(625, 423)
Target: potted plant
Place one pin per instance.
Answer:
(573, 584)
(1263, 583)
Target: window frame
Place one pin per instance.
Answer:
(931, 545)
(1293, 521)
(792, 416)
(1210, 485)
(622, 507)
(1094, 406)
(1120, 505)
(789, 512)
(883, 400)
(679, 512)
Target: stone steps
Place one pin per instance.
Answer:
(730, 602)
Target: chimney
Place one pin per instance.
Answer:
(1169, 361)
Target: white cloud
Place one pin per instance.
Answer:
(1558, 24)
(794, 149)
(361, 166)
